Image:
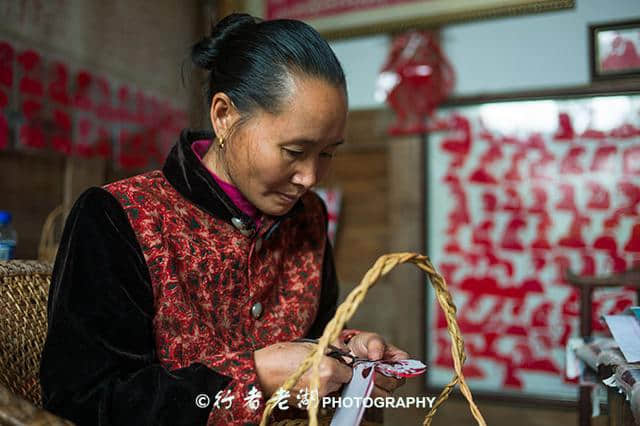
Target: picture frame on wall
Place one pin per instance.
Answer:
(355, 18)
(615, 50)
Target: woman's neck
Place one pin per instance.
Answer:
(213, 161)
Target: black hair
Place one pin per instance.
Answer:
(252, 61)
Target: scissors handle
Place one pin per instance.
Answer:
(335, 352)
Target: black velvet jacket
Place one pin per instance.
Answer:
(99, 363)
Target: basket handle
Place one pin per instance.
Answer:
(345, 311)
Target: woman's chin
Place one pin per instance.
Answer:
(278, 206)
(276, 210)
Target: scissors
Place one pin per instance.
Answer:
(337, 353)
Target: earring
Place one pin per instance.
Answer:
(220, 142)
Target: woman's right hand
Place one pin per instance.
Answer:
(275, 363)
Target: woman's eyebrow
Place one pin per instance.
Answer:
(312, 142)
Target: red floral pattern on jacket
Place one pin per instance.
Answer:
(206, 276)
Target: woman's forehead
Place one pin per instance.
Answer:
(315, 112)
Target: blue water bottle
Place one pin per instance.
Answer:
(8, 236)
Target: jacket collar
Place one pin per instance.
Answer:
(192, 180)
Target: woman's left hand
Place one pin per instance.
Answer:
(372, 346)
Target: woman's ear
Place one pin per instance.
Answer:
(223, 114)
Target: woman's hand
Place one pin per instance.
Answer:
(275, 363)
(372, 346)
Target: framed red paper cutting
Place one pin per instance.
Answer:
(615, 50)
(519, 191)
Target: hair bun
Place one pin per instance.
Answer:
(206, 51)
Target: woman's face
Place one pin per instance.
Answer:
(275, 158)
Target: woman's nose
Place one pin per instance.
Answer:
(307, 174)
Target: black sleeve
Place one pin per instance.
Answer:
(99, 364)
(328, 295)
(330, 286)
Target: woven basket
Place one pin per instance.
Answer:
(24, 287)
(346, 310)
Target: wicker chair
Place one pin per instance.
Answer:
(24, 287)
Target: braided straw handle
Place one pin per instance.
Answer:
(345, 311)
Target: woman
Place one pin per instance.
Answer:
(197, 279)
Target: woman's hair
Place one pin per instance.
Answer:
(253, 61)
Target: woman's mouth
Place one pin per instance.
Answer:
(289, 198)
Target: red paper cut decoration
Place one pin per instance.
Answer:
(625, 131)
(540, 197)
(604, 158)
(31, 133)
(569, 164)
(567, 202)
(633, 245)
(58, 88)
(82, 94)
(510, 238)
(460, 145)
(489, 202)
(31, 82)
(574, 238)
(514, 202)
(104, 104)
(61, 132)
(416, 78)
(631, 160)
(6, 64)
(565, 128)
(7, 56)
(542, 239)
(600, 198)
(606, 242)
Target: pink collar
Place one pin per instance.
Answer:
(200, 148)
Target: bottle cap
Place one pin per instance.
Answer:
(5, 217)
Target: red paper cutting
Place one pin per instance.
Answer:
(423, 79)
(6, 64)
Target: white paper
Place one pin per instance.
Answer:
(610, 381)
(626, 330)
(360, 386)
(573, 364)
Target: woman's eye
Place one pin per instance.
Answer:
(293, 153)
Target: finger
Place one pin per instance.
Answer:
(340, 373)
(359, 344)
(338, 343)
(378, 392)
(375, 347)
(393, 353)
(333, 375)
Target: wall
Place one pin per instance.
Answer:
(528, 52)
(361, 170)
(531, 52)
(140, 42)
